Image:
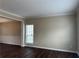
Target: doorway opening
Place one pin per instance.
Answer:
(29, 34)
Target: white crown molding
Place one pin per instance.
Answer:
(52, 15)
(58, 14)
(10, 15)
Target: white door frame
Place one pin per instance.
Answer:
(22, 34)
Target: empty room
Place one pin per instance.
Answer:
(39, 28)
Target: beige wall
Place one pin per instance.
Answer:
(10, 32)
(57, 32)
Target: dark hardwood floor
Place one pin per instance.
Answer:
(12, 51)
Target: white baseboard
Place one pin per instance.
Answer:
(12, 44)
(14, 40)
(53, 49)
(22, 45)
(47, 48)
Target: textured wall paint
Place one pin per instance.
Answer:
(10, 32)
(57, 32)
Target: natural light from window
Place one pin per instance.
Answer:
(29, 34)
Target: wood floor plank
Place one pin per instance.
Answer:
(13, 51)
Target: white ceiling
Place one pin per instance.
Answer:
(0, 3)
(39, 7)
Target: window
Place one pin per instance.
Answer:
(29, 34)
